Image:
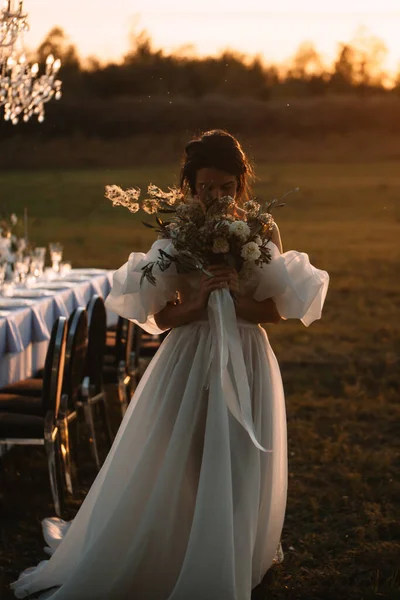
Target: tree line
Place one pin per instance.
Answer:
(150, 91)
(145, 70)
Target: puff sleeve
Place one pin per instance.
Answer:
(296, 286)
(139, 302)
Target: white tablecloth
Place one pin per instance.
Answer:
(25, 332)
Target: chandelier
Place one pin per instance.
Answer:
(23, 92)
(12, 23)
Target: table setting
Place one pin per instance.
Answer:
(33, 296)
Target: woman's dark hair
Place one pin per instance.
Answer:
(216, 149)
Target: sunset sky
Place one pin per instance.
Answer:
(274, 29)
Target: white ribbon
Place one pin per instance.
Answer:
(228, 345)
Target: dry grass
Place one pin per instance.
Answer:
(342, 378)
(264, 144)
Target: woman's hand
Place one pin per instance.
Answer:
(223, 274)
(209, 284)
(232, 277)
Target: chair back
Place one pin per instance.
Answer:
(75, 355)
(97, 319)
(54, 367)
(136, 347)
(124, 340)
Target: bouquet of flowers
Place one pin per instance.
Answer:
(203, 232)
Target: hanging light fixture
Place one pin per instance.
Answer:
(23, 92)
(12, 24)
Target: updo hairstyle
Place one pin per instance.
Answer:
(216, 149)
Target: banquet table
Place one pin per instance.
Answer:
(27, 317)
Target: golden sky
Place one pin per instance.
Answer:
(272, 28)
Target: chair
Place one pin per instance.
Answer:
(120, 362)
(75, 358)
(140, 346)
(149, 344)
(92, 390)
(38, 425)
(32, 388)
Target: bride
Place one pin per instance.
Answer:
(190, 502)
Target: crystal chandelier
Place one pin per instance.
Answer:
(23, 92)
(12, 23)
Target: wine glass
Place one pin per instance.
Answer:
(56, 252)
(21, 268)
(3, 270)
(65, 269)
(37, 261)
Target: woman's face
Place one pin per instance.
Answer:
(216, 182)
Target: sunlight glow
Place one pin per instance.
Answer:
(101, 28)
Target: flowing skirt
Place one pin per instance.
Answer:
(185, 505)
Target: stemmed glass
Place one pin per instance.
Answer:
(3, 270)
(56, 251)
(21, 268)
(37, 261)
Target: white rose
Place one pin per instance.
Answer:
(240, 228)
(250, 251)
(258, 240)
(220, 246)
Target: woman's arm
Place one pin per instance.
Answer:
(255, 311)
(175, 315)
(264, 311)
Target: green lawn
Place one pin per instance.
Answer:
(341, 375)
(346, 217)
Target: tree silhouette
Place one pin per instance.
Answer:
(306, 62)
(359, 65)
(56, 42)
(154, 91)
(146, 71)
(343, 76)
(370, 53)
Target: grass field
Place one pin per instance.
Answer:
(342, 375)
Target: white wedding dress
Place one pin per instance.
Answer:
(190, 502)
